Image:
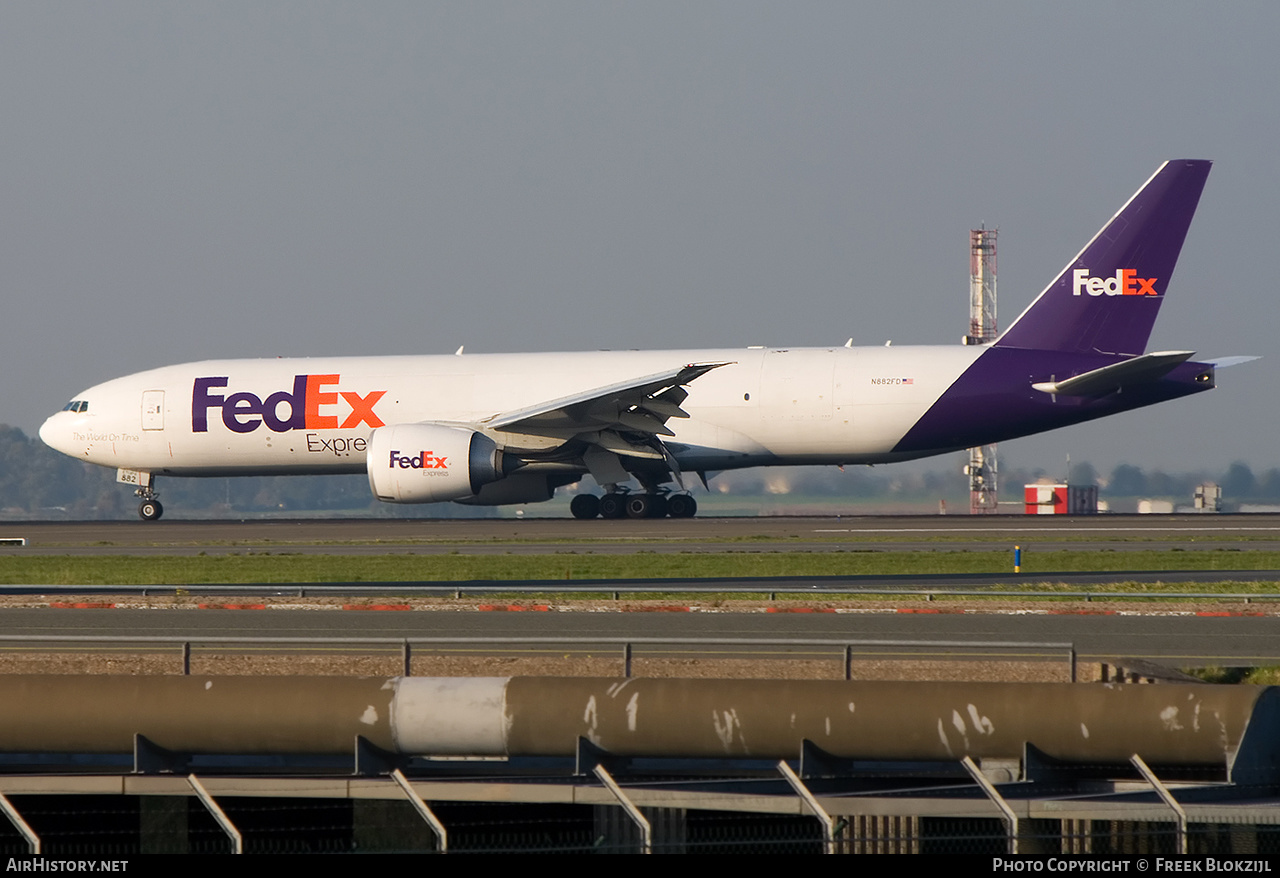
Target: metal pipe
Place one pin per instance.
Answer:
(186, 714)
(1169, 724)
(1175, 724)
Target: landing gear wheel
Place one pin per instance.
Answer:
(612, 506)
(150, 510)
(682, 506)
(585, 506)
(657, 506)
(639, 506)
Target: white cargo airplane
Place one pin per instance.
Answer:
(511, 428)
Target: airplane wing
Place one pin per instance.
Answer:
(1139, 370)
(623, 418)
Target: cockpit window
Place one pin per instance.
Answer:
(76, 405)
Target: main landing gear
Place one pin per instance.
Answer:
(619, 505)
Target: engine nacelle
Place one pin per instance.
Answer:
(430, 463)
(515, 488)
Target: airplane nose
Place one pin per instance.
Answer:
(53, 435)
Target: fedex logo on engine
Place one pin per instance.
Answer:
(1125, 283)
(422, 460)
(309, 407)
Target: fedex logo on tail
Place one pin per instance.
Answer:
(1125, 283)
(308, 407)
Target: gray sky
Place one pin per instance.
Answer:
(195, 180)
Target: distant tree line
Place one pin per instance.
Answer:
(1238, 483)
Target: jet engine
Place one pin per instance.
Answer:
(429, 463)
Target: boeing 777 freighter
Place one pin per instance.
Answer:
(511, 428)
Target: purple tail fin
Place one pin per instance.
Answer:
(1107, 298)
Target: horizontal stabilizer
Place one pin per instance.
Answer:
(1224, 362)
(1139, 370)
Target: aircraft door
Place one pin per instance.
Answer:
(153, 410)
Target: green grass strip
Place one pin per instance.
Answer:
(267, 567)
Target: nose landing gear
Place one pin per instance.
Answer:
(149, 509)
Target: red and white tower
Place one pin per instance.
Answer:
(982, 467)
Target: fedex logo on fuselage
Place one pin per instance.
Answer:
(308, 407)
(422, 460)
(1125, 283)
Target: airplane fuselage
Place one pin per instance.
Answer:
(767, 406)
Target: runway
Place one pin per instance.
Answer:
(541, 536)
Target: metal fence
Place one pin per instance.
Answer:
(626, 649)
